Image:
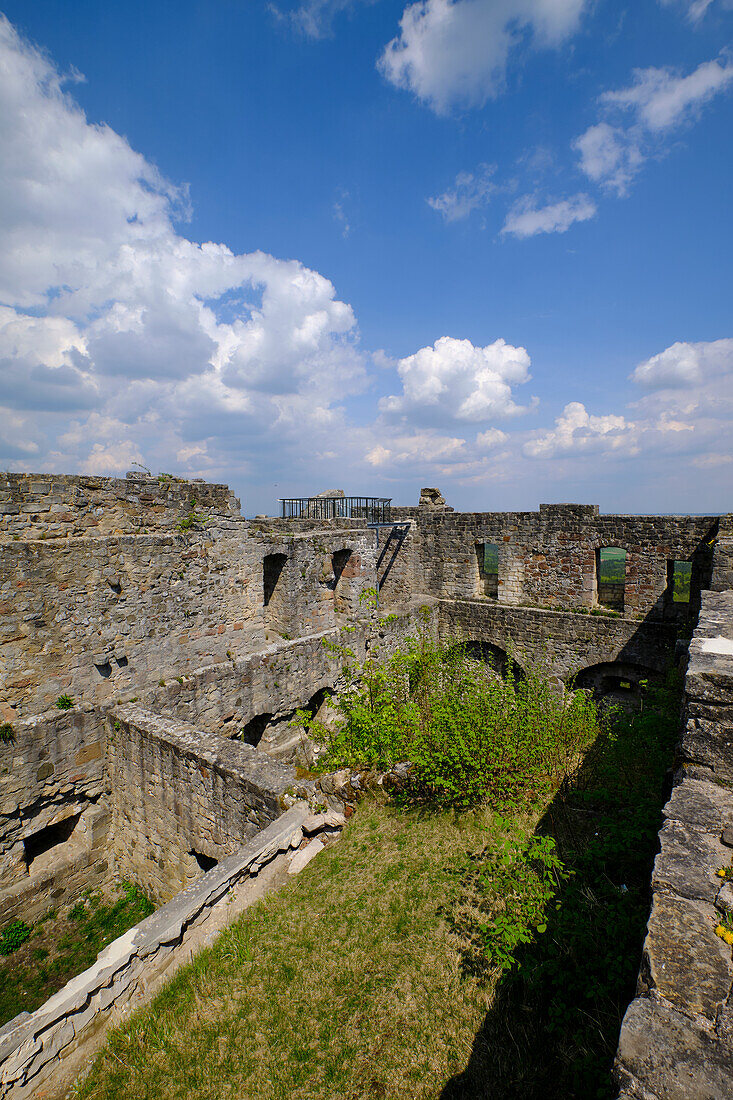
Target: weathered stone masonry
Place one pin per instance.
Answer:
(189, 637)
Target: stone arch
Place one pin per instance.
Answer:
(614, 681)
(496, 658)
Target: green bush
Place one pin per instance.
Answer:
(468, 735)
(64, 702)
(7, 733)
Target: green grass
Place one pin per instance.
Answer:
(346, 983)
(62, 945)
(431, 953)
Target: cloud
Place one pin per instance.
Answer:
(176, 347)
(417, 449)
(340, 218)
(658, 100)
(489, 440)
(525, 219)
(452, 53)
(696, 9)
(685, 412)
(470, 191)
(576, 431)
(314, 18)
(686, 365)
(454, 381)
(609, 156)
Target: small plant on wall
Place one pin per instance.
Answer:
(7, 734)
(193, 520)
(64, 702)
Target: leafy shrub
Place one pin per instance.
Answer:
(64, 702)
(469, 735)
(13, 935)
(7, 733)
(521, 876)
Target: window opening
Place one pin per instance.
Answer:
(273, 566)
(339, 561)
(206, 863)
(253, 730)
(611, 566)
(50, 837)
(679, 580)
(488, 568)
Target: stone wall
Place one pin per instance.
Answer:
(306, 600)
(549, 559)
(94, 617)
(53, 811)
(40, 506)
(178, 793)
(676, 1040)
(270, 684)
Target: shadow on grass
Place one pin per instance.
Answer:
(553, 1027)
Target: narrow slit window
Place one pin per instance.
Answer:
(488, 568)
(611, 577)
(681, 578)
(273, 566)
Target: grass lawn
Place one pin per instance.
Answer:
(346, 983)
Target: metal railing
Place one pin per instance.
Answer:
(369, 509)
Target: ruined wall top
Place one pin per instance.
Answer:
(36, 506)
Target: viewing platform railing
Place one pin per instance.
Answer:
(369, 509)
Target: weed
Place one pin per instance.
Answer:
(64, 702)
(7, 733)
(193, 521)
(13, 935)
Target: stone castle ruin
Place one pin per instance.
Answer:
(187, 638)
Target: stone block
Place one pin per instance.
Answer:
(688, 861)
(674, 1057)
(684, 959)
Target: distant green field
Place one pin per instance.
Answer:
(612, 566)
(681, 582)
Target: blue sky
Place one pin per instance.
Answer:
(482, 244)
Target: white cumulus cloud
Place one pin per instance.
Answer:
(455, 52)
(684, 365)
(455, 381)
(577, 431)
(178, 348)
